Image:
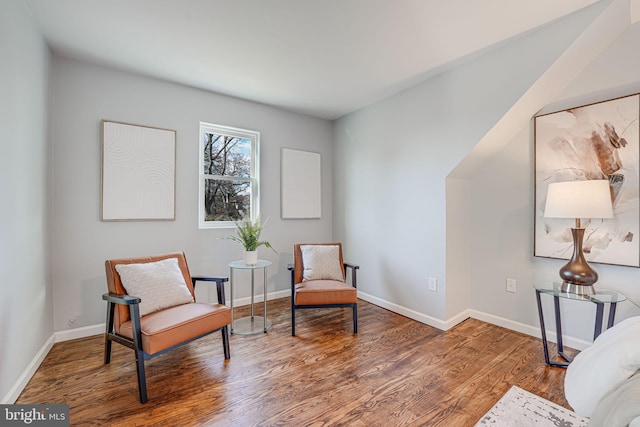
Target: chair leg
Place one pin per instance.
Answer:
(355, 319)
(107, 350)
(107, 341)
(137, 340)
(293, 322)
(225, 342)
(142, 381)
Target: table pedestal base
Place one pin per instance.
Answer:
(250, 325)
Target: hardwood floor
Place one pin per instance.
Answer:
(394, 372)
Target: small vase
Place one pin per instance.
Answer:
(250, 257)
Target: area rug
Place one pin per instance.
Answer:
(519, 408)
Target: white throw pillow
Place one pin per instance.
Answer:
(321, 262)
(158, 284)
(602, 367)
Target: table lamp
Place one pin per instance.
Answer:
(578, 199)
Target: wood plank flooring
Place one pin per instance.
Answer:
(394, 372)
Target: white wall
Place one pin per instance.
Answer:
(458, 249)
(25, 305)
(392, 160)
(502, 202)
(83, 95)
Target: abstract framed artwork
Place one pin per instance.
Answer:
(595, 141)
(138, 172)
(301, 183)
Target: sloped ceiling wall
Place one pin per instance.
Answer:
(501, 188)
(392, 159)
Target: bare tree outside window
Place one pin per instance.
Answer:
(228, 184)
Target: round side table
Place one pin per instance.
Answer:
(252, 324)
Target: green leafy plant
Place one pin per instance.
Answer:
(248, 234)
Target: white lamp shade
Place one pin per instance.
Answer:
(579, 199)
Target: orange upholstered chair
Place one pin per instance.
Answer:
(151, 308)
(318, 280)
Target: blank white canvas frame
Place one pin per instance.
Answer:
(138, 172)
(301, 184)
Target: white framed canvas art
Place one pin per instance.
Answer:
(138, 172)
(301, 189)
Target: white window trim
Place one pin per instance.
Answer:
(254, 136)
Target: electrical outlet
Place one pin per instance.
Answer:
(511, 285)
(433, 284)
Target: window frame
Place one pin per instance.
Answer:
(253, 179)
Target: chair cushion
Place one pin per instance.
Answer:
(175, 325)
(321, 262)
(322, 292)
(158, 284)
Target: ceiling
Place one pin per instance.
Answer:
(324, 58)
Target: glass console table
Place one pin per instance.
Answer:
(600, 299)
(251, 324)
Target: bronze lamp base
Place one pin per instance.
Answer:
(577, 275)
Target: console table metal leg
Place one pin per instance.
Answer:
(264, 282)
(597, 330)
(543, 330)
(612, 314)
(252, 291)
(556, 309)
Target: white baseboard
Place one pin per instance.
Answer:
(411, 314)
(83, 332)
(444, 325)
(533, 331)
(31, 369)
(460, 317)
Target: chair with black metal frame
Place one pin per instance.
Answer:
(158, 332)
(322, 292)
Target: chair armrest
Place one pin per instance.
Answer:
(134, 314)
(121, 299)
(219, 280)
(354, 268)
(291, 268)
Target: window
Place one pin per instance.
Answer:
(229, 189)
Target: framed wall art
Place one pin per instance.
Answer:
(301, 178)
(595, 141)
(138, 172)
